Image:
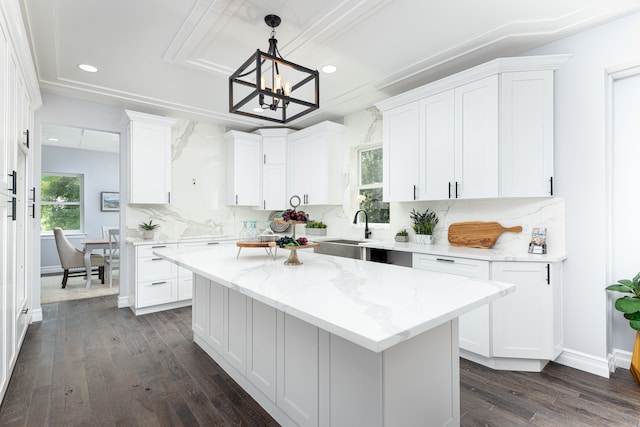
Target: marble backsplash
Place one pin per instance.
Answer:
(198, 196)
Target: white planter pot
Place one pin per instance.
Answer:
(315, 231)
(424, 239)
(147, 234)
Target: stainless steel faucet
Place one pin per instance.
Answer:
(367, 233)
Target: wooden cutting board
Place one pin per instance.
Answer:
(477, 234)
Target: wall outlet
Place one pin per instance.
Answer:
(526, 228)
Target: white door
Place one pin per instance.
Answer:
(625, 204)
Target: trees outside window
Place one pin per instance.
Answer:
(370, 185)
(61, 202)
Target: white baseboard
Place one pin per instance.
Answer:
(620, 359)
(123, 301)
(585, 362)
(51, 269)
(36, 315)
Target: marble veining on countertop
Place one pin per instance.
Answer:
(373, 305)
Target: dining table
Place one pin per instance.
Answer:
(89, 246)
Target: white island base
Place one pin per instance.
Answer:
(304, 375)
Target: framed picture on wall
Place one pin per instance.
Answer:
(109, 201)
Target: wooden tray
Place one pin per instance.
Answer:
(477, 234)
(255, 244)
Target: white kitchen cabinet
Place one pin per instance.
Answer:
(274, 169)
(400, 145)
(476, 139)
(235, 325)
(437, 147)
(297, 366)
(149, 160)
(315, 164)
(261, 348)
(244, 166)
(502, 124)
(474, 326)
(526, 153)
(528, 323)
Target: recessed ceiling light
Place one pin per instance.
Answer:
(52, 139)
(329, 69)
(88, 68)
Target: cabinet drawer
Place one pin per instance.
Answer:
(148, 250)
(155, 268)
(453, 265)
(156, 292)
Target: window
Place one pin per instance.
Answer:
(370, 185)
(61, 202)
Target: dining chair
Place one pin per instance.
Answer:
(72, 258)
(112, 259)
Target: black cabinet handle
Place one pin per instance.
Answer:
(169, 197)
(548, 274)
(449, 189)
(33, 194)
(33, 211)
(456, 189)
(213, 243)
(26, 133)
(414, 192)
(158, 283)
(445, 260)
(551, 186)
(14, 182)
(236, 199)
(158, 247)
(13, 215)
(25, 311)
(264, 204)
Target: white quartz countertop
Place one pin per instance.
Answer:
(191, 239)
(462, 252)
(373, 305)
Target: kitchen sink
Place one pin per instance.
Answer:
(340, 247)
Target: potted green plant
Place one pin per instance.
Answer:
(630, 307)
(423, 225)
(147, 229)
(316, 228)
(402, 236)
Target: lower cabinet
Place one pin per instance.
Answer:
(521, 331)
(474, 326)
(528, 323)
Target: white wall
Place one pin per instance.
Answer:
(100, 170)
(580, 167)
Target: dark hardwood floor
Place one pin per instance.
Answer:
(89, 363)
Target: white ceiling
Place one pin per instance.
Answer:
(79, 138)
(174, 57)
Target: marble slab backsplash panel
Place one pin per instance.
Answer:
(199, 187)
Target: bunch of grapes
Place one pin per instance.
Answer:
(293, 215)
(289, 241)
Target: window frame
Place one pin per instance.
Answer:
(371, 186)
(79, 203)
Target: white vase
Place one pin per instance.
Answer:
(424, 239)
(147, 234)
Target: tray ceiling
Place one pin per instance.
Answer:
(174, 57)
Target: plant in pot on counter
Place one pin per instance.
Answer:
(148, 228)
(630, 307)
(316, 228)
(402, 236)
(423, 225)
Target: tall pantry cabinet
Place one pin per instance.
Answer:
(19, 97)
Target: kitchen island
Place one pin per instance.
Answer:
(334, 341)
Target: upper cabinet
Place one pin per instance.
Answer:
(274, 169)
(149, 142)
(315, 164)
(400, 168)
(244, 162)
(526, 157)
(484, 132)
